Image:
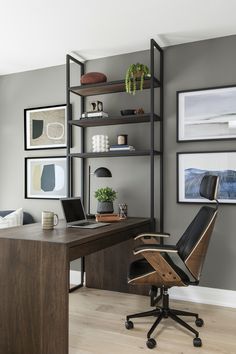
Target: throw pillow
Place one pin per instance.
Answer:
(13, 219)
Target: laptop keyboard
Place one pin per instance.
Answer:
(86, 223)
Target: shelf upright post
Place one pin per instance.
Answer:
(153, 46)
(82, 142)
(152, 131)
(69, 128)
(162, 142)
(69, 58)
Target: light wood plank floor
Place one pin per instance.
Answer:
(97, 326)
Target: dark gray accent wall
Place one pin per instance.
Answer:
(189, 66)
(194, 65)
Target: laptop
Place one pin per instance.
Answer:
(75, 215)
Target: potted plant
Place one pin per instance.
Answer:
(135, 74)
(105, 197)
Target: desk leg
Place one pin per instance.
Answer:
(33, 297)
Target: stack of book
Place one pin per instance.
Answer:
(121, 148)
(95, 114)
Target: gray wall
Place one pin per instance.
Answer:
(18, 91)
(200, 64)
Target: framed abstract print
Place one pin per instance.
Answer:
(45, 177)
(45, 127)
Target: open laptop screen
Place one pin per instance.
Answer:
(73, 209)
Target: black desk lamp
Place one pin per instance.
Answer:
(99, 172)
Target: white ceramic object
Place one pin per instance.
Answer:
(100, 143)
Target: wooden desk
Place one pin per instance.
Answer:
(34, 279)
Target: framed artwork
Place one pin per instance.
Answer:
(206, 114)
(45, 177)
(45, 127)
(192, 166)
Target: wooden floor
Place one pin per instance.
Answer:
(97, 326)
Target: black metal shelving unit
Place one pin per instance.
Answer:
(84, 91)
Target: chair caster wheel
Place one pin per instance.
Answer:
(129, 325)
(199, 322)
(197, 342)
(151, 343)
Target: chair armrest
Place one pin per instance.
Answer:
(155, 248)
(149, 235)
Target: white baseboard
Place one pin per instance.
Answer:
(75, 277)
(205, 295)
(199, 294)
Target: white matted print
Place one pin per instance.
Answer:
(192, 167)
(207, 114)
(45, 177)
(46, 127)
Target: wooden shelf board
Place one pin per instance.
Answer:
(114, 154)
(94, 122)
(107, 87)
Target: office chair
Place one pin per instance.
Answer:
(158, 269)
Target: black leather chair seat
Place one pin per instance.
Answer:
(142, 267)
(139, 268)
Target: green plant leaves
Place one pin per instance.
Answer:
(135, 74)
(106, 194)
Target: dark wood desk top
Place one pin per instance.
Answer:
(69, 236)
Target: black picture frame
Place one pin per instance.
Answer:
(46, 183)
(181, 136)
(224, 161)
(46, 119)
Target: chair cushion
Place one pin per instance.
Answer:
(12, 219)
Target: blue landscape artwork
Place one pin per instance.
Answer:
(227, 183)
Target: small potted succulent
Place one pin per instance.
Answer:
(135, 75)
(105, 197)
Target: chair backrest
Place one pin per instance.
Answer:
(193, 244)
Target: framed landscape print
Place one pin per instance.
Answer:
(45, 177)
(45, 127)
(206, 114)
(191, 167)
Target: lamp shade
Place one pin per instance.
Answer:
(102, 172)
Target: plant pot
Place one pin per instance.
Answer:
(138, 74)
(105, 208)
